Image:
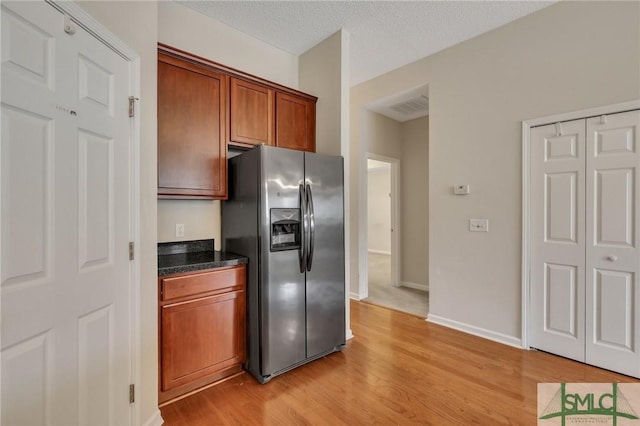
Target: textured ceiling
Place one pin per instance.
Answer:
(385, 35)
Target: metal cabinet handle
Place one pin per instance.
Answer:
(612, 258)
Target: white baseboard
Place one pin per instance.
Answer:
(388, 253)
(349, 334)
(355, 296)
(423, 287)
(155, 420)
(476, 331)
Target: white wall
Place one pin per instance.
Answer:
(135, 23)
(381, 136)
(201, 220)
(414, 200)
(567, 57)
(320, 75)
(186, 29)
(193, 32)
(379, 210)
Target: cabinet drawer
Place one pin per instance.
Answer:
(202, 283)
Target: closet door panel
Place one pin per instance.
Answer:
(612, 255)
(557, 236)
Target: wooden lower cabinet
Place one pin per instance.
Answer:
(202, 333)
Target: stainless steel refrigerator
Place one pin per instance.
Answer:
(285, 212)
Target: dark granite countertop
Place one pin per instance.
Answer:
(192, 256)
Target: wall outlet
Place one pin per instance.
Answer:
(179, 229)
(479, 225)
(461, 189)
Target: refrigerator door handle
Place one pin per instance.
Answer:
(302, 252)
(312, 226)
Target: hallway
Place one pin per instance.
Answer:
(381, 293)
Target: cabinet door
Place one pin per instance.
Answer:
(295, 123)
(192, 152)
(201, 337)
(251, 113)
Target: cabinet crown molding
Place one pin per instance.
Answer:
(232, 72)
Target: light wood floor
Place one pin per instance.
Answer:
(398, 369)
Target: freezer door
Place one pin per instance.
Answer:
(325, 280)
(282, 285)
(240, 235)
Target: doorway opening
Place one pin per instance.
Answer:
(380, 229)
(396, 129)
(383, 234)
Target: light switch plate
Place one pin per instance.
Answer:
(179, 229)
(479, 225)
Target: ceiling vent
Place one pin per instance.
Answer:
(412, 106)
(403, 106)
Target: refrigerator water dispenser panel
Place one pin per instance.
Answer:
(285, 229)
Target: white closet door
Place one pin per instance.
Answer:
(66, 314)
(557, 239)
(613, 257)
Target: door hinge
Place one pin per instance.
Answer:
(132, 394)
(132, 105)
(131, 250)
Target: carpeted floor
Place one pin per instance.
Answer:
(382, 293)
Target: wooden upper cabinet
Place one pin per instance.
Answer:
(251, 118)
(261, 115)
(192, 149)
(204, 106)
(295, 122)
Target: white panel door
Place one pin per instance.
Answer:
(557, 235)
(65, 278)
(613, 257)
